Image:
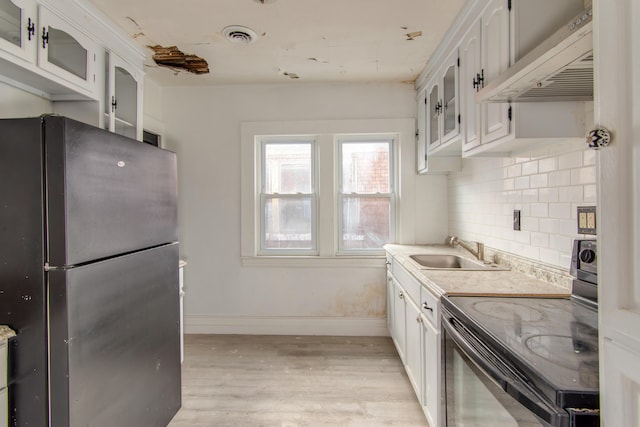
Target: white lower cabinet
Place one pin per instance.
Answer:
(413, 322)
(398, 322)
(414, 351)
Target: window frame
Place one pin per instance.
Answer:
(325, 131)
(263, 197)
(340, 195)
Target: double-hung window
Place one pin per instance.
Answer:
(366, 194)
(288, 196)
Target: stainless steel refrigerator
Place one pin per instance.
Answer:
(88, 276)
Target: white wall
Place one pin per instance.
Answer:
(203, 126)
(546, 185)
(18, 103)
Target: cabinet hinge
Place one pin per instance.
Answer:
(509, 4)
(510, 113)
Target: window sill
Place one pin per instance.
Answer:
(372, 261)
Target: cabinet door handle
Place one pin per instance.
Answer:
(419, 319)
(426, 307)
(478, 82)
(114, 104)
(401, 295)
(31, 28)
(45, 37)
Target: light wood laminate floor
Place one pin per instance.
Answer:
(237, 380)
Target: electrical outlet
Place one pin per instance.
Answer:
(586, 220)
(516, 220)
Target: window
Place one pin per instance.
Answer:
(365, 195)
(288, 196)
(325, 192)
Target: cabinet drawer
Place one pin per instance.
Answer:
(3, 364)
(430, 307)
(407, 281)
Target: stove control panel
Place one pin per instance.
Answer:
(584, 260)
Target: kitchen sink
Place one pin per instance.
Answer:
(452, 262)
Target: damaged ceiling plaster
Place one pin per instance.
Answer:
(174, 58)
(317, 41)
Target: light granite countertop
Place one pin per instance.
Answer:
(6, 332)
(465, 282)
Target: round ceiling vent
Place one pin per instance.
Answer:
(239, 34)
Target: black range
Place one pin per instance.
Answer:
(533, 355)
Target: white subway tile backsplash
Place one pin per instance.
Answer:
(590, 193)
(559, 178)
(515, 170)
(521, 183)
(540, 180)
(548, 195)
(570, 160)
(546, 186)
(539, 210)
(586, 175)
(530, 168)
(560, 243)
(589, 158)
(530, 196)
(548, 165)
(560, 210)
(540, 240)
(571, 194)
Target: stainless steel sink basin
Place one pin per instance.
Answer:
(452, 262)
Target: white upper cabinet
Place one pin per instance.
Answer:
(488, 38)
(443, 109)
(494, 54)
(66, 52)
(470, 67)
(45, 53)
(123, 97)
(18, 28)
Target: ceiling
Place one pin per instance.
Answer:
(319, 41)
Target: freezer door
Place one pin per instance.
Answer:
(115, 341)
(106, 194)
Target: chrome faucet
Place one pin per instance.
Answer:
(477, 252)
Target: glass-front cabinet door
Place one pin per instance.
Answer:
(450, 98)
(123, 97)
(66, 51)
(434, 107)
(18, 28)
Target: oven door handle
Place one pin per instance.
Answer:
(514, 387)
(481, 362)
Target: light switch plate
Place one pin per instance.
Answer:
(586, 220)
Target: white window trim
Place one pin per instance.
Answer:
(392, 195)
(326, 130)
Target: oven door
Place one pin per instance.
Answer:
(481, 390)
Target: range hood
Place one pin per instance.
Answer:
(558, 69)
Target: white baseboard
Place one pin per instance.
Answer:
(335, 326)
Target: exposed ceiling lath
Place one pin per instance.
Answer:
(174, 58)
